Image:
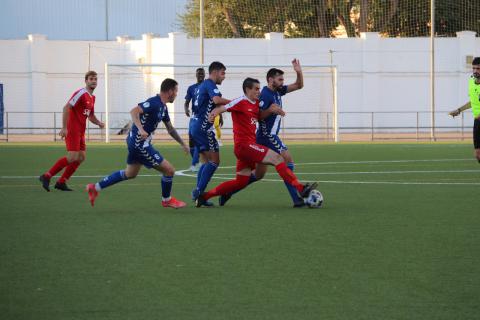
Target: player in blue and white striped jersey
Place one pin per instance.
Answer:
(146, 116)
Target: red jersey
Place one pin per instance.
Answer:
(245, 118)
(82, 106)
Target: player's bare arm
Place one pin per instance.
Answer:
(215, 112)
(187, 108)
(273, 109)
(135, 113)
(298, 84)
(456, 112)
(63, 132)
(174, 134)
(93, 119)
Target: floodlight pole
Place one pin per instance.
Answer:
(432, 69)
(202, 49)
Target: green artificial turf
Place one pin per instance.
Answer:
(398, 238)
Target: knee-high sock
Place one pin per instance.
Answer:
(291, 189)
(207, 174)
(288, 176)
(167, 182)
(71, 168)
(227, 187)
(199, 173)
(110, 180)
(195, 156)
(57, 167)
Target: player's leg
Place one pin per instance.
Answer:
(73, 144)
(297, 201)
(476, 138)
(209, 148)
(168, 171)
(193, 152)
(74, 161)
(244, 170)
(287, 175)
(134, 164)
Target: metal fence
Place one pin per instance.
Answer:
(303, 126)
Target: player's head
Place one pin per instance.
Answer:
(91, 80)
(200, 74)
(476, 67)
(251, 88)
(275, 78)
(216, 72)
(169, 89)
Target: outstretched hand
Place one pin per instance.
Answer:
(296, 65)
(454, 113)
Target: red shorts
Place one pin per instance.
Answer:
(249, 154)
(75, 142)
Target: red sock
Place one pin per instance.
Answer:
(230, 186)
(57, 167)
(288, 176)
(71, 168)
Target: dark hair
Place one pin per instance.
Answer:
(216, 65)
(168, 84)
(248, 83)
(90, 73)
(200, 69)
(273, 73)
(476, 61)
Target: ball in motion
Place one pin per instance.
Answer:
(314, 199)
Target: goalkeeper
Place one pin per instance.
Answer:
(474, 104)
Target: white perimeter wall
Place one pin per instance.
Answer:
(375, 74)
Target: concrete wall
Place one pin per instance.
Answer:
(375, 75)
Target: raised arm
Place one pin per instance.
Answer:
(135, 114)
(174, 134)
(298, 84)
(456, 112)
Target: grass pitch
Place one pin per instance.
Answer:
(398, 238)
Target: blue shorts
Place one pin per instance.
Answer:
(205, 140)
(145, 154)
(272, 142)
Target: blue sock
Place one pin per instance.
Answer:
(166, 186)
(291, 189)
(110, 180)
(195, 156)
(207, 174)
(199, 173)
(192, 150)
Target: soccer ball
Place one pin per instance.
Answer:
(314, 199)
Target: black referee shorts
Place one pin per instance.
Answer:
(476, 133)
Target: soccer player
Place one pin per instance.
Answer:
(269, 126)
(208, 96)
(194, 152)
(74, 121)
(474, 103)
(145, 117)
(245, 113)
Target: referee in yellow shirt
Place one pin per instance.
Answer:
(474, 103)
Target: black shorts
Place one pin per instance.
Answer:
(476, 133)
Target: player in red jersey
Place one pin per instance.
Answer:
(75, 114)
(245, 114)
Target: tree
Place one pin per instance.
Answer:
(320, 18)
